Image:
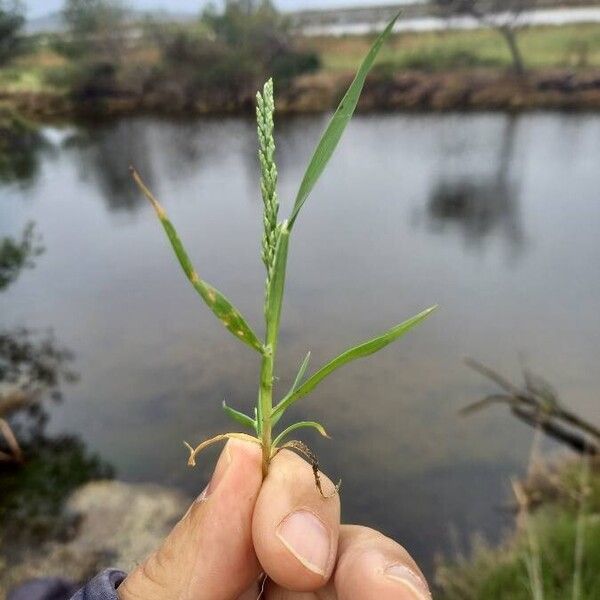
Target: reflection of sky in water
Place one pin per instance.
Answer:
(495, 219)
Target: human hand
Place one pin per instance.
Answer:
(240, 527)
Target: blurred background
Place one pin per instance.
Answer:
(469, 178)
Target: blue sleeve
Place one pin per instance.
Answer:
(102, 587)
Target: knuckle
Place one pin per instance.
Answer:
(153, 570)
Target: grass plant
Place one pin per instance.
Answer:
(274, 252)
(553, 552)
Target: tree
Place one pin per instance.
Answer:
(501, 15)
(96, 28)
(12, 20)
(229, 52)
(96, 45)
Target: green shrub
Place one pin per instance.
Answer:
(12, 20)
(555, 529)
(95, 46)
(229, 53)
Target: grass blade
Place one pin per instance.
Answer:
(239, 417)
(215, 300)
(364, 349)
(332, 135)
(300, 374)
(299, 425)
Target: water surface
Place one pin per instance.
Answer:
(494, 218)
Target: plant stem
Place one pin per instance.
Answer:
(273, 317)
(265, 400)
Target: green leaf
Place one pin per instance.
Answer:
(364, 349)
(239, 417)
(332, 135)
(215, 300)
(299, 425)
(300, 374)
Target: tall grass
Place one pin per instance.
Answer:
(554, 553)
(581, 530)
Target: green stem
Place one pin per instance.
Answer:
(273, 317)
(265, 400)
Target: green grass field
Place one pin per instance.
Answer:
(543, 47)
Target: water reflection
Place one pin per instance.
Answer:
(20, 149)
(154, 361)
(103, 154)
(18, 254)
(479, 207)
(37, 470)
(32, 365)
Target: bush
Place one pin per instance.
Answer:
(11, 22)
(288, 65)
(229, 53)
(95, 46)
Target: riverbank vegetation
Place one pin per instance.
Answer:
(566, 47)
(105, 63)
(574, 47)
(553, 554)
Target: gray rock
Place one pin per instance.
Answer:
(117, 525)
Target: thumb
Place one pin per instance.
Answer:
(209, 554)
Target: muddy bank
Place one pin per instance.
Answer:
(407, 90)
(484, 91)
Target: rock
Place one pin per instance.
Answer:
(125, 521)
(117, 525)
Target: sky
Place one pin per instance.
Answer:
(38, 8)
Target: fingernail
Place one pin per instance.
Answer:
(307, 538)
(414, 586)
(218, 474)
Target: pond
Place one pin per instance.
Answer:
(495, 218)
